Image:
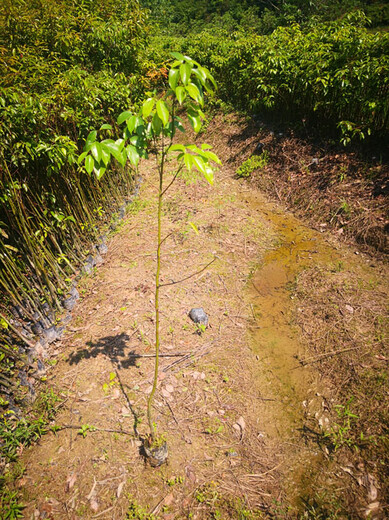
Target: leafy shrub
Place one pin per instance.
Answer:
(252, 163)
(331, 74)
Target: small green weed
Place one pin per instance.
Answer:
(136, 512)
(253, 163)
(173, 481)
(340, 434)
(85, 428)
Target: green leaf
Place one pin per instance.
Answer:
(194, 93)
(132, 155)
(180, 94)
(201, 74)
(105, 156)
(131, 122)
(174, 74)
(195, 122)
(82, 157)
(147, 107)
(91, 138)
(188, 160)
(177, 147)
(194, 227)
(114, 149)
(185, 71)
(96, 151)
(163, 111)
(199, 163)
(213, 157)
(89, 164)
(209, 175)
(106, 126)
(123, 117)
(177, 56)
(156, 124)
(99, 171)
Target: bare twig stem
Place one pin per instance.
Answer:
(190, 276)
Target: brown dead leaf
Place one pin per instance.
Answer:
(191, 475)
(70, 481)
(168, 500)
(120, 489)
(94, 505)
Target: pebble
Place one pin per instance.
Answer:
(198, 315)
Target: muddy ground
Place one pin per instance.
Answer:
(264, 410)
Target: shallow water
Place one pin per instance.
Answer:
(291, 389)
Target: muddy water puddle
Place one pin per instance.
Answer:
(290, 390)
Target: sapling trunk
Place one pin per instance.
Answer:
(155, 121)
(152, 425)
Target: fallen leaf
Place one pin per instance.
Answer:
(94, 505)
(372, 507)
(116, 393)
(70, 481)
(241, 422)
(120, 489)
(191, 475)
(168, 500)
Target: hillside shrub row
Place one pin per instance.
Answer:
(334, 75)
(65, 67)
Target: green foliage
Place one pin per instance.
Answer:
(329, 74)
(341, 434)
(136, 512)
(64, 66)
(253, 163)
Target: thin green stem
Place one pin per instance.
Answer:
(153, 428)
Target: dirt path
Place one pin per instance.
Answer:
(231, 400)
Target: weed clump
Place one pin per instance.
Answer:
(253, 163)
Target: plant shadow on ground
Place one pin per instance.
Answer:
(114, 348)
(111, 346)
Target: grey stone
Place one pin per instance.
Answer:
(73, 292)
(17, 311)
(259, 148)
(102, 248)
(50, 335)
(98, 259)
(37, 328)
(69, 303)
(198, 315)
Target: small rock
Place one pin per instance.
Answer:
(170, 388)
(17, 311)
(73, 292)
(50, 335)
(103, 249)
(98, 259)
(37, 328)
(349, 309)
(259, 149)
(69, 303)
(198, 315)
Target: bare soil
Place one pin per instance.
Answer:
(249, 406)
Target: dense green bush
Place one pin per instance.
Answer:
(65, 66)
(332, 74)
